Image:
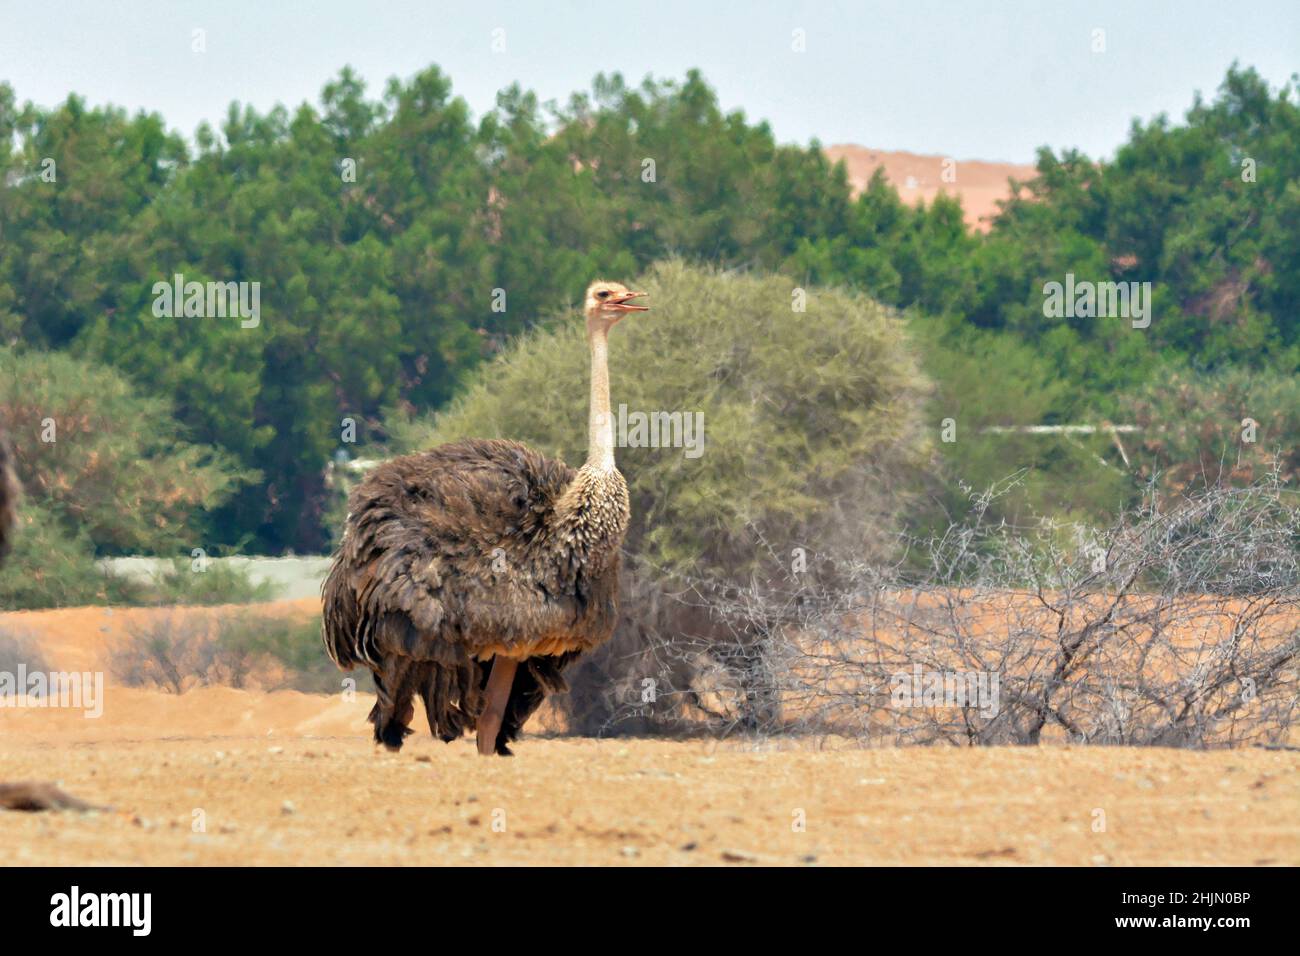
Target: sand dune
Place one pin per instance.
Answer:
(83, 638)
(919, 178)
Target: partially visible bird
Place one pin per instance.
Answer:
(8, 496)
(473, 573)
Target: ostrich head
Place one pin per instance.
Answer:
(607, 303)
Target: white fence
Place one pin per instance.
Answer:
(296, 577)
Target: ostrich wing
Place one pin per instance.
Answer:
(424, 537)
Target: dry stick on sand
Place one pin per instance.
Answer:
(32, 797)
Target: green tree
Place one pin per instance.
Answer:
(397, 244)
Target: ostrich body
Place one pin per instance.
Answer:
(473, 573)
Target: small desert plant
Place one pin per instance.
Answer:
(179, 650)
(293, 644)
(217, 583)
(18, 647)
(172, 650)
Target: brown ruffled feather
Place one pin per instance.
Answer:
(467, 551)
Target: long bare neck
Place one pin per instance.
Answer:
(600, 432)
(591, 518)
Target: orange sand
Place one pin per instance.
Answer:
(918, 178)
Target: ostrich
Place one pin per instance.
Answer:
(473, 573)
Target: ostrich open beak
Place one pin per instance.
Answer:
(623, 303)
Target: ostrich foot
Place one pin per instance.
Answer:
(392, 732)
(499, 683)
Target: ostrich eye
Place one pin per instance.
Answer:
(602, 295)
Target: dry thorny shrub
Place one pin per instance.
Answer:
(1179, 626)
(176, 652)
(19, 649)
(180, 650)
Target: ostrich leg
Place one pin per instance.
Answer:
(498, 695)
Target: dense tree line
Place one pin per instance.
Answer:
(398, 243)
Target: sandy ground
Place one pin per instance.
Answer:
(225, 776)
(236, 777)
(919, 178)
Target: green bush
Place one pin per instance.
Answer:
(1196, 431)
(812, 420)
(52, 566)
(217, 584)
(294, 643)
(108, 462)
(104, 470)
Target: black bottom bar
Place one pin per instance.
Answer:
(338, 906)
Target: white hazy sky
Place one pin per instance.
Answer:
(986, 79)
